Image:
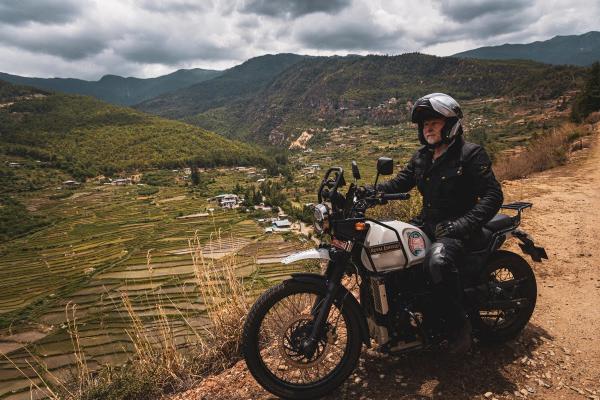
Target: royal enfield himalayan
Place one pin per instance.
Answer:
(303, 337)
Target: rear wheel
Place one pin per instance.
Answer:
(275, 335)
(511, 297)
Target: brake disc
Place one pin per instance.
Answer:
(287, 350)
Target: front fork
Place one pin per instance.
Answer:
(322, 306)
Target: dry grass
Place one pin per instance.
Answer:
(158, 365)
(543, 152)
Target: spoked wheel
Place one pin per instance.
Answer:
(512, 293)
(276, 349)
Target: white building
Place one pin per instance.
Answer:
(121, 181)
(281, 225)
(70, 184)
(228, 200)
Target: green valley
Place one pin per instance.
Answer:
(80, 243)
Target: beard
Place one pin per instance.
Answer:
(433, 141)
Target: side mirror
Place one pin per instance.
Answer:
(385, 166)
(355, 172)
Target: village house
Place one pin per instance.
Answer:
(71, 184)
(263, 208)
(281, 225)
(121, 181)
(136, 178)
(227, 200)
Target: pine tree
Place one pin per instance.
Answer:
(588, 100)
(195, 177)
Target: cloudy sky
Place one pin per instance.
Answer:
(87, 39)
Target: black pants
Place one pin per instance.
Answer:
(442, 264)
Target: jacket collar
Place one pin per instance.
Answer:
(454, 147)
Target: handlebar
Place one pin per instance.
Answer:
(332, 184)
(395, 196)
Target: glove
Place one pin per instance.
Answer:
(365, 191)
(455, 229)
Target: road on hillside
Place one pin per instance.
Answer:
(558, 354)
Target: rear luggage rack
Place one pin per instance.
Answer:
(518, 206)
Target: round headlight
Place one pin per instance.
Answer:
(320, 215)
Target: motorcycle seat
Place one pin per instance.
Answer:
(483, 239)
(499, 222)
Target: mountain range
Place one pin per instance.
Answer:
(322, 92)
(235, 84)
(580, 50)
(117, 89)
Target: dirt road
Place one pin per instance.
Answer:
(558, 354)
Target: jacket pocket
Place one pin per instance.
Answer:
(452, 182)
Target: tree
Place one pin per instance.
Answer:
(195, 176)
(588, 100)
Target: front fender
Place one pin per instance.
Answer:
(344, 299)
(322, 254)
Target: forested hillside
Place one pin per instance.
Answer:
(87, 137)
(329, 91)
(238, 83)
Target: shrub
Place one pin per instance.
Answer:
(60, 195)
(543, 152)
(147, 190)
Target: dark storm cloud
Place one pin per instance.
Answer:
(476, 21)
(69, 45)
(355, 36)
(468, 10)
(156, 48)
(293, 8)
(18, 12)
(175, 6)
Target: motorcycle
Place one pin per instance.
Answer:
(303, 337)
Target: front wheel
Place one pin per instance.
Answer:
(279, 322)
(511, 297)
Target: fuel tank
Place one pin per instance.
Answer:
(383, 252)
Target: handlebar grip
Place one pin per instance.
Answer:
(395, 196)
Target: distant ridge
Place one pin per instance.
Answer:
(238, 83)
(580, 50)
(117, 89)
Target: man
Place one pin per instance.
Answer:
(460, 194)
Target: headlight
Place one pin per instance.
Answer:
(321, 217)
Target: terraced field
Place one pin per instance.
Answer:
(110, 248)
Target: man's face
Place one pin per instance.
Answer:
(432, 130)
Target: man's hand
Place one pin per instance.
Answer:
(365, 191)
(454, 229)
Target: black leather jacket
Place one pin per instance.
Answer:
(459, 184)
